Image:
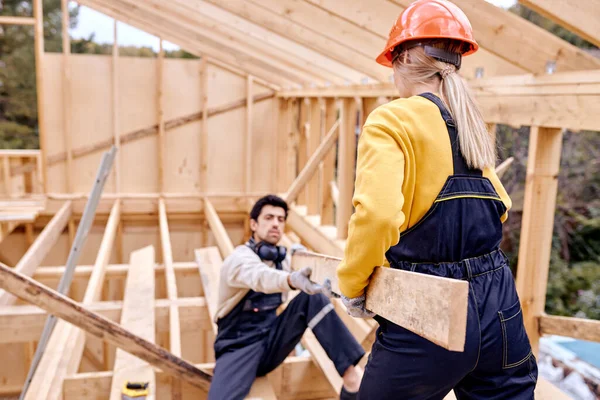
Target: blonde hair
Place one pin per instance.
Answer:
(416, 67)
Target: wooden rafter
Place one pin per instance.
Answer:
(274, 16)
(231, 61)
(580, 17)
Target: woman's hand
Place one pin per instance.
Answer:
(356, 306)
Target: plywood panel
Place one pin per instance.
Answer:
(53, 103)
(225, 151)
(90, 116)
(182, 86)
(138, 109)
(224, 86)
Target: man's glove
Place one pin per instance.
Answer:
(356, 306)
(297, 247)
(299, 280)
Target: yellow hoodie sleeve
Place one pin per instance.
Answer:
(375, 225)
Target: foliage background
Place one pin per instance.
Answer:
(574, 279)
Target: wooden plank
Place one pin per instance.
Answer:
(577, 328)
(283, 134)
(66, 90)
(328, 166)
(322, 36)
(160, 117)
(580, 17)
(67, 309)
(216, 226)
(204, 128)
(114, 80)
(138, 318)
(312, 235)
(430, 306)
(310, 342)
(248, 136)
(174, 323)
(313, 164)
(24, 323)
(541, 186)
(303, 118)
(6, 20)
(503, 167)
(40, 248)
(112, 271)
(346, 165)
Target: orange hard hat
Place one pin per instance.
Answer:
(429, 19)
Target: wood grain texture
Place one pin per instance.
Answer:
(430, 306)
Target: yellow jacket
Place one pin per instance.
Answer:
(404, 158)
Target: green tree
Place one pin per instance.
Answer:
(18, 104)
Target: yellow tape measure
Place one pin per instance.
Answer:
(135, 390)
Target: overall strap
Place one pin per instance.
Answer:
(459, 163)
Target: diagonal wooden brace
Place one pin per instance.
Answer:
(65, 308)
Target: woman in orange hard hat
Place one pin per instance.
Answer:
(427, 200)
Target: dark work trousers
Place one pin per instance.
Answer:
(458, 238)
(244, 354)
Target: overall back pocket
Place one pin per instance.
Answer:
(515, 343)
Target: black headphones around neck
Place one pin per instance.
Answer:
(268, 251)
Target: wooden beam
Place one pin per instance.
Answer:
(314, 235)
(40, 248)
(24, 323)
(248, 135)
(114, 80)
(66, 95)
(313, 164)
(346, 165)
(503, 167)
(314, 138)
(7, 20)
(38, 37)
(283, 19)
(517, 40)
(160, 117)
(577, 328)
(579, 17)
(430, 306)
(204, 127)
(328, 169)
(138, 318)
(216, 226)
(67, 309)
(302, 129)
(284, 147)
(541, 186)
(171, 283)
(112, 270)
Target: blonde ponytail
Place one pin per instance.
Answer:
(476, 144)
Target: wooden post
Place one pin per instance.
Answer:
(204, 128)
(314, 137)
(66, 94)
(115, 107)
(328, 170)
(346, 165)
(6, 174)
(541, 185)
(248, 137)
(38, 14)
(161, 119)
(303, 144)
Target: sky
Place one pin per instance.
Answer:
(90, 21)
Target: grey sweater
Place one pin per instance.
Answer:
(243, 270)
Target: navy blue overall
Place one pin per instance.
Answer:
(253, 340)
(458, 238)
